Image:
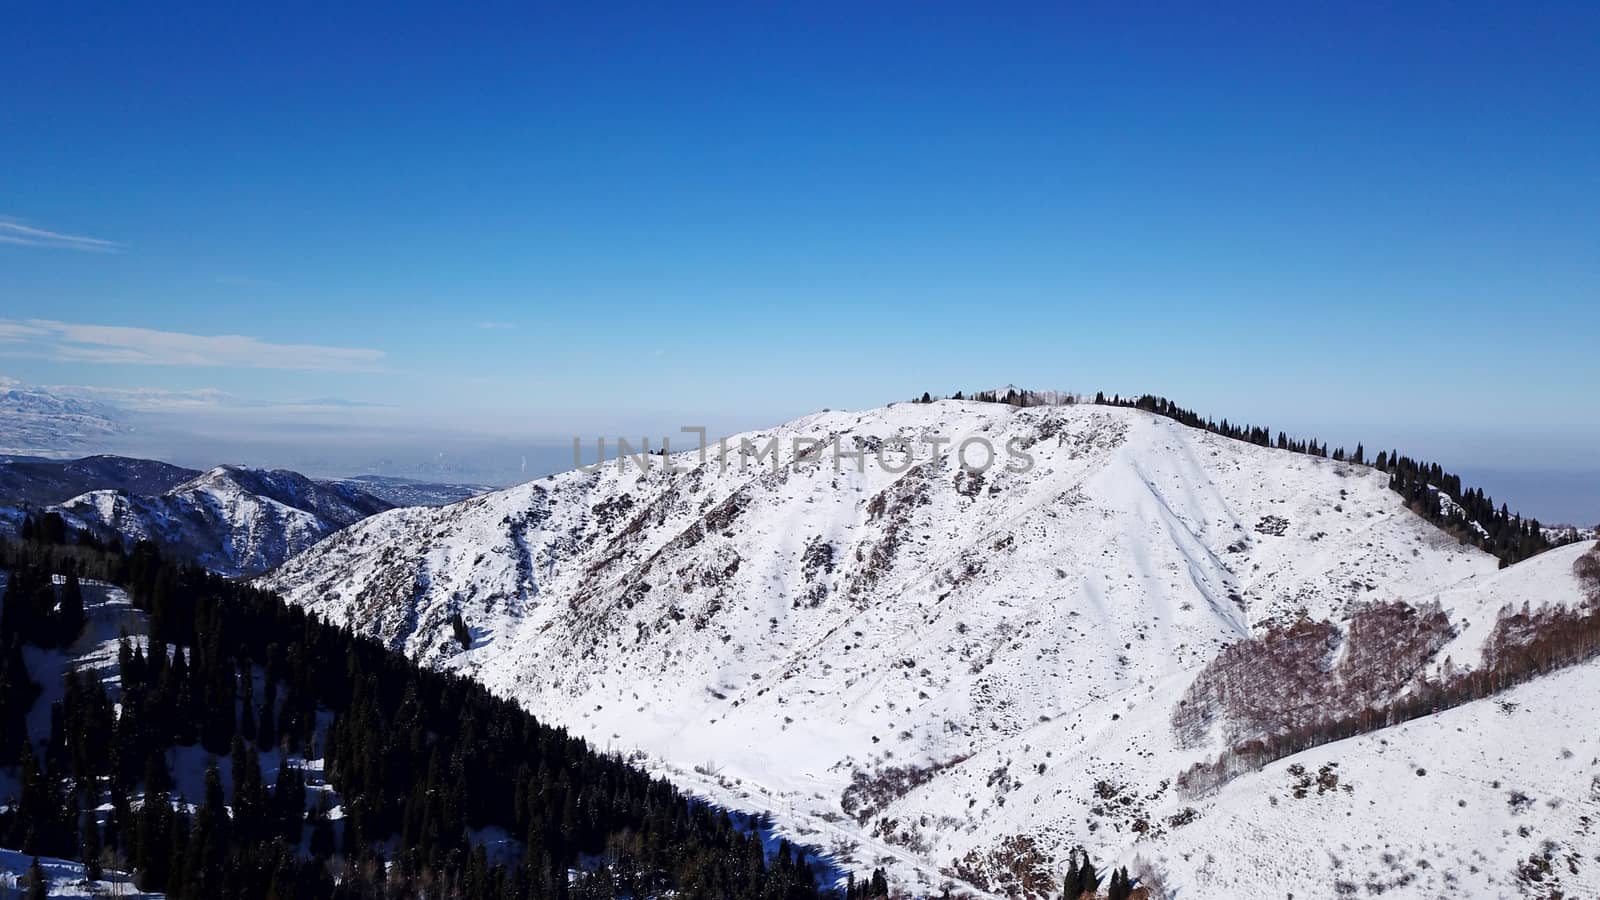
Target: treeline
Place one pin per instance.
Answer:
(1470, 516)
(1467, 513)
(418, 762)
(1524, 645)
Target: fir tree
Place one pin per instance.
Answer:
(1069, 884)
(1120, 887)
(69, 619)
(90, 842)
(38, 886)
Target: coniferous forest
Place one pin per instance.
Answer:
(387, 777)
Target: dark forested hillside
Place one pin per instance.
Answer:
(416, 768)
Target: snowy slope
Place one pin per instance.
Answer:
(65, 878)
(1497, 798)
(886, 658)
(1108, 772)
(233, 520)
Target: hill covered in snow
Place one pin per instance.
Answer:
(959, 674)
(230, 519)
(32, 481)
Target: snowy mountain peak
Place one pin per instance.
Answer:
(338, 502)
(231, 519)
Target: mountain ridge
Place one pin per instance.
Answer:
(233, 520)
(830, 645)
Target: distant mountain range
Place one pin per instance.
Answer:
(235, 520)
(34, 481)
(38, 421)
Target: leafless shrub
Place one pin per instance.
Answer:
(1294, 676)
(1524, 645)
(1587, 568)
(1014, 867)
(869, 793)
(1149, 879)
(1260, 685)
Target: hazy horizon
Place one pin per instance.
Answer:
(381, 238)
(1525, 474)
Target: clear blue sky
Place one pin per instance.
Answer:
(1353, 221)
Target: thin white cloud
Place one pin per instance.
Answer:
(18, 234)
(87, 343)
(496, 326)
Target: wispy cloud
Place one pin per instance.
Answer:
(87, 343)
(22, 235)
(497, 326)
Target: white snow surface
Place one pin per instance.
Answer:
(66, 878)
(1019, 638)
(1464, 803)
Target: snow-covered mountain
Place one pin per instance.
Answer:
(33, 420)
(231, 519)
(40, 482)
(959, 675)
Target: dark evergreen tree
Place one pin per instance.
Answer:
(90, 846)
(38, 886)
(69, 619)
(1120, 887)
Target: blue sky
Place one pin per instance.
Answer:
(1376, 222)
